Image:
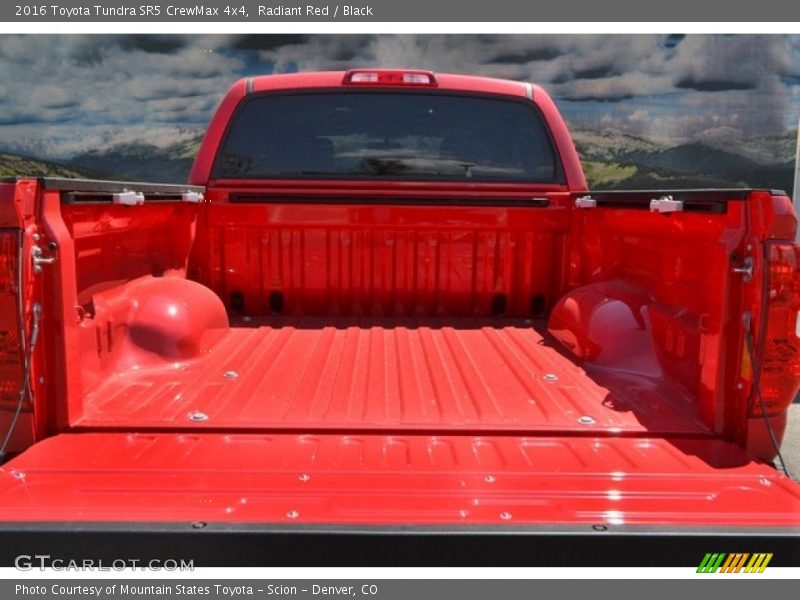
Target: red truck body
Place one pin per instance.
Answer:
(438, 356)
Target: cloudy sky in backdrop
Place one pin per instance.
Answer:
(64, 95)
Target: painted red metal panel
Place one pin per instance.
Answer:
(116, 243)
(381, 374)
(348, 259)
(9, 216)
(395, 479)
(682, 262)
(99, 246)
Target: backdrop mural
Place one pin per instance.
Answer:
(645, 110)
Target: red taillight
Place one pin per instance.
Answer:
(10, 351)
(389, 77)
(780, 351)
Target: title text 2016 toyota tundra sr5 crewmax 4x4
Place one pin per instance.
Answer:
(388, 324)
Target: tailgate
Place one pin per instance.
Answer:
(333, 489)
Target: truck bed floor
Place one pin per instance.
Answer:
(385, 374)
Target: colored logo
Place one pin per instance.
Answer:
(739, 562)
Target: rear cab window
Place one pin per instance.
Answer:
(387, 135)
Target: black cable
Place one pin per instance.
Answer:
(25, 391)
(748, 341)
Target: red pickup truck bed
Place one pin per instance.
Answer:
(371, 329)
(361, 375)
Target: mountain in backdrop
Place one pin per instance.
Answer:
(12, 165)
(143, 162)
(615, 160)
(612, 160)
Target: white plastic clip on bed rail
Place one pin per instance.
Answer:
(193, 197)
(128, 198)
(585, 202)
(666, 204)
